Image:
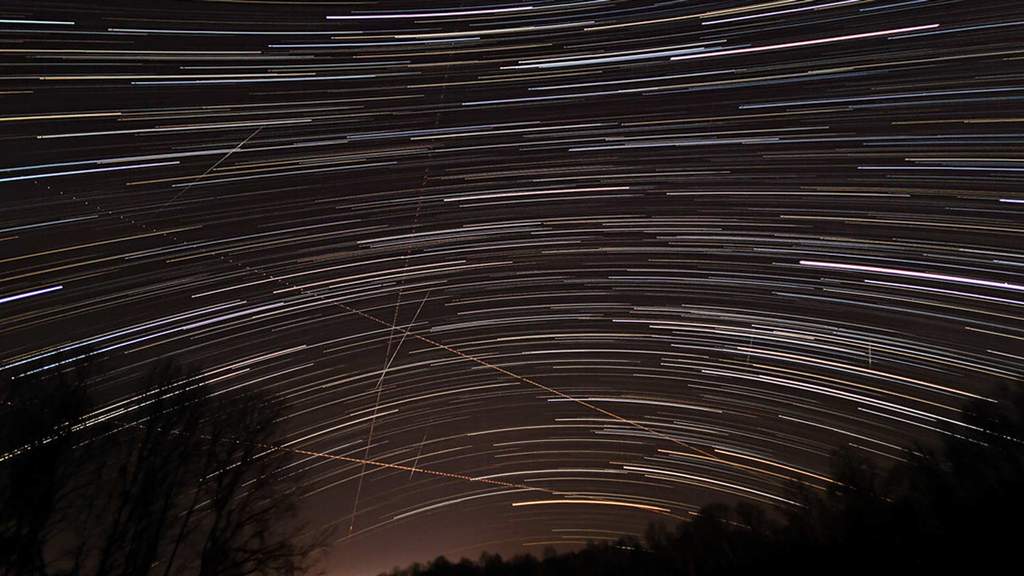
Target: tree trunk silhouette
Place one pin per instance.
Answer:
(181, 481)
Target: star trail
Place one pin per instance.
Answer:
(527, 273)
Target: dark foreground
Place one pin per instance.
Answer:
(189, 483)
(955, 510)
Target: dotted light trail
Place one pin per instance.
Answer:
(525, 273)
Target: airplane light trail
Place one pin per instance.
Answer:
(627, 257)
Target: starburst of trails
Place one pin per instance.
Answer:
(758, 229)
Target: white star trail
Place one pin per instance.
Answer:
(660, 253)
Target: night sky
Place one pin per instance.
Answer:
(528, 273)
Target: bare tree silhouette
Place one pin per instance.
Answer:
(181, 480)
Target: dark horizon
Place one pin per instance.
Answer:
(525, 274)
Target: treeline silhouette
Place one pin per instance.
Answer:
(954, 509)
(183, 479)
(178, 480)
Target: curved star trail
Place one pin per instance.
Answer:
(528, 273)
